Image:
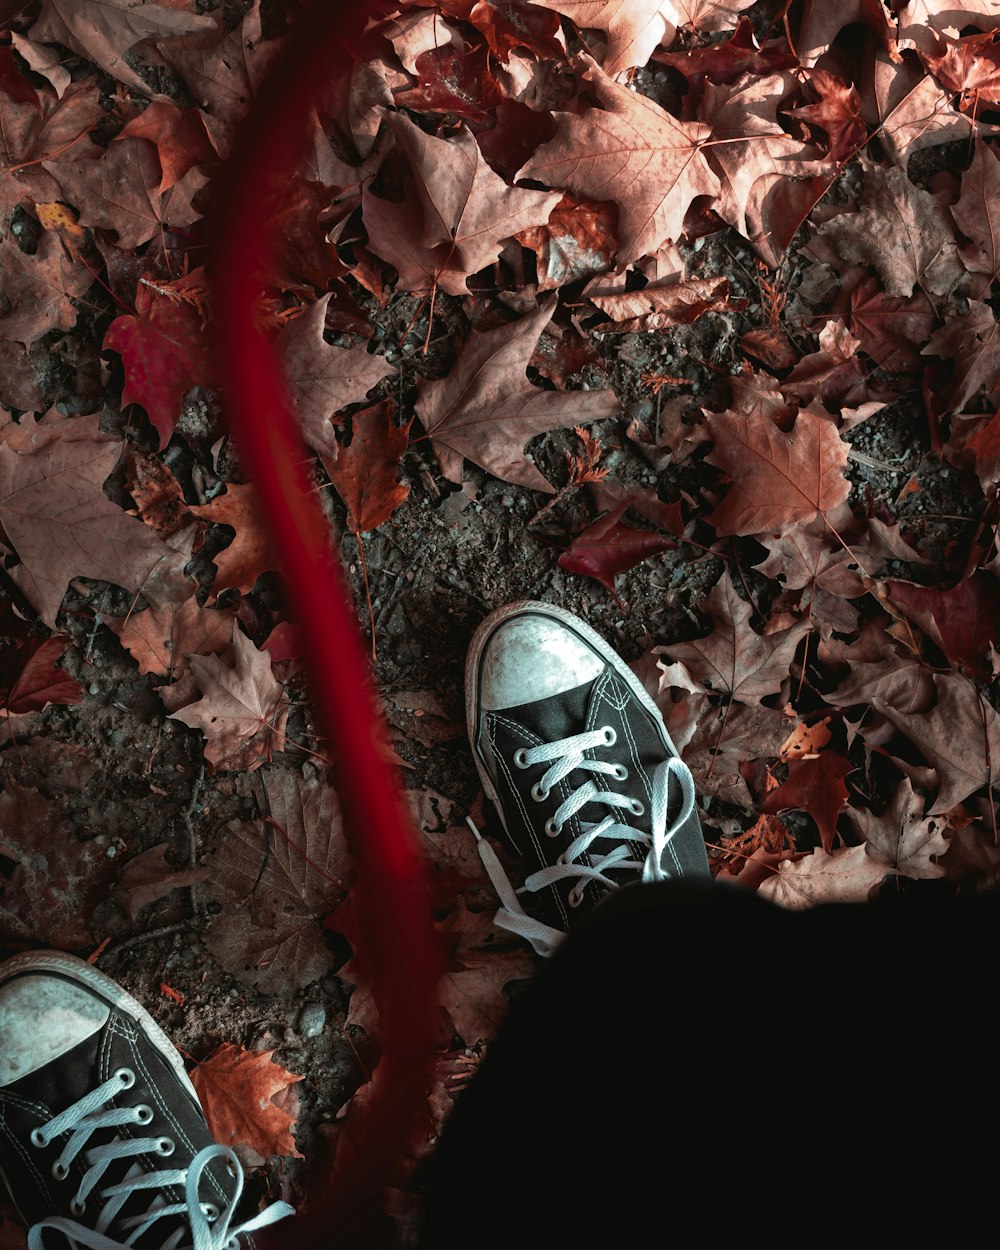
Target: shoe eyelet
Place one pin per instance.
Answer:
(620, 773)
(610, 735)
(637, 808)
(519, 758)
(165, 1146)
(144, 1114)
(59, 1170)
(538, 794)
(77, 1208)
(552, 829)
(126, 1076)
(210, 1211)
(37, 1138)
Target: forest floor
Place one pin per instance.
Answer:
(819, 717)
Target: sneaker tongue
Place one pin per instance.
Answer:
(558, 715)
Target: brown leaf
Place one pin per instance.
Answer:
(39, 682)
(921, 20)
(903, 231)
(242, 712)
(149, 876)
(732, 659)
(779, 480)
(364, 472)
(902, 836)
(960, 735)
(237, 1089)
(37, 289)
(634, 28)
(633, 152)
(815, 786)
(163, 639)
(609, 547)
(978, 216)
(61, 523)
(846, 875)
(916, 113)
(276, 878)
(891, 330)
(250, 552)
(663, 306)
(118, 188)
(179, 135)
(486, 409)
(877, 669)
(103, 31)
(467, 211)
(970, 342)
(325, 379)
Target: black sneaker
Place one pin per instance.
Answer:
(102, 1137)
(577, 759)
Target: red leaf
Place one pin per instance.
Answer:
(963, 621)
(817, 787)
(608, 548)
(452, 80)
(165, 348)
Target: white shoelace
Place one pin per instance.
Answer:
(210, 1227)
(565, 755)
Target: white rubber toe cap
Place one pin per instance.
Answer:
(532, 657)
(41, 1018)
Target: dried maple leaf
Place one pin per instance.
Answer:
(833, 374)
(779, 480)
(103, 31)
(970, 342)
(962, 621)
(901, 229)
(977, 213)
(164, 348)
(846, 875)
(180, 137)
(769, 179)
(661, 306)
(891, 331)
(732, 659)
(30, 680)
(576, 241)
(60, 522)
(834, 109)
(960, 735)
(276, 878)
(250, 553)
(506, 25)
(822, 23)
(118, 188)
(364, 472)
(223, 70)
(237, 1089)
(633, 152)
(609, 547)
(32, 128)
(815, 786)
(902, 836)
(456, 81)
(51, 883)
(37, 289)
(163, 639)
(324, 379)
(468, 211)
(877, 669)
(486, 409)
(916, 112)
(984, 448)
(243, 710)
(971, 68)
(634, 27)
(921, 20)
(725, 739)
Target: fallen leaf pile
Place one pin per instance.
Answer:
(808, 193)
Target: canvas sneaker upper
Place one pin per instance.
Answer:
(103, 1143)
(576, 757)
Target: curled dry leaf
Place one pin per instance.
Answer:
(903, 837)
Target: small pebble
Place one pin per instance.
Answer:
(312, 1019)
